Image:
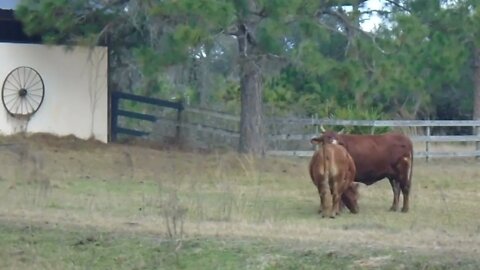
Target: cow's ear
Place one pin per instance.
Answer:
(316, 140)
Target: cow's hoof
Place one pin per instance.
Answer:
(393, 209)
(404, 210)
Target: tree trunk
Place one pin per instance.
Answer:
(476, 85)
(251, 118)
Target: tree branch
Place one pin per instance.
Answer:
(349, 26)
(396, 4)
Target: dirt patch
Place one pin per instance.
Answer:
(45, 140)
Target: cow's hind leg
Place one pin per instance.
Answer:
(335, 199)
(396, 193)
(403, 179)
(405, 186)
(323, 191)
(405, 182)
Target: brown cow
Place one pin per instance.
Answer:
(332, 170)
(376, 157)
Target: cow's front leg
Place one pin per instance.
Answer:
(396, 193)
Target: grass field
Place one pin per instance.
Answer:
(68, 204)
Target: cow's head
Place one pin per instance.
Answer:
(328, 136)
(350, 198)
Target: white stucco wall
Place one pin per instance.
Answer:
(76, 95)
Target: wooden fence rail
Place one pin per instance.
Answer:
(428, 138)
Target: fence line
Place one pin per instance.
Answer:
(291, 136)
(314, 123)
(417, 154)
(380, 123)
(427, 139)
(446, 138)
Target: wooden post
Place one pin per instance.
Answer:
(477, 143)
(315, 147)
(179, 121)
(427, 144)
(114, 115)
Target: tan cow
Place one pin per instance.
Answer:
(332, 170)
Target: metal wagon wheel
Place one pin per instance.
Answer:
(23, 91)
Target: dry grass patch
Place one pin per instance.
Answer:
(185, 195)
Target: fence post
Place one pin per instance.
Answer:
(179, 121)
(427, 144)
(315, 123)
(477, 143)
(114, 116)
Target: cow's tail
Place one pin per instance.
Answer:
(326, 172)
(410, 169)
(325, 169)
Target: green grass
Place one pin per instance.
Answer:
(122, 207)
(50, 247)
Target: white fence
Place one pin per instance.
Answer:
(291, 136)
(427, 138)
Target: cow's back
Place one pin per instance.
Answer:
(375, 155)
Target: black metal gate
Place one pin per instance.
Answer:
(116, 112)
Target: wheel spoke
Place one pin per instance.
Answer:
(19, 85)
(10, 100)
(14, 105)
(19, 76)
(32, 108)
(35, 90)
(12, 94)
(31, 94)
(27, 80)
(34, 103)
(32, 85)
(27, 110)
(21, 106)
(11, 83)
(24, 77)
(10, 89)
(33, 99)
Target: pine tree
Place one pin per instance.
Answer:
(159, 34)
